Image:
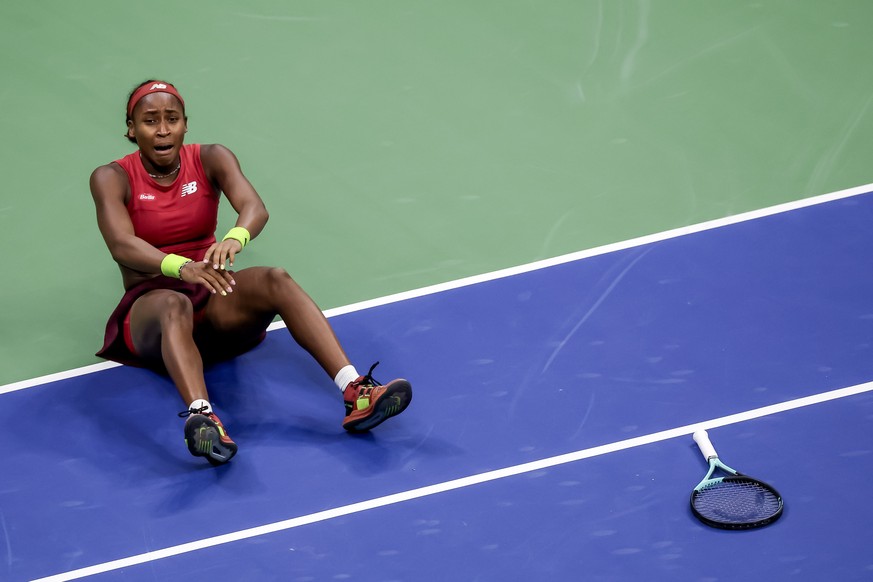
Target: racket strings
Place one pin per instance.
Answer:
(737, 501)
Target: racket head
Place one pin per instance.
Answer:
(736, 502)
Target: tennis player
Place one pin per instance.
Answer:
(157, 209)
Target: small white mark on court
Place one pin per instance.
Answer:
(626, 551)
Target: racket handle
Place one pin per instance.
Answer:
(702, 439)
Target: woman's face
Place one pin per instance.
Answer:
(158, 125)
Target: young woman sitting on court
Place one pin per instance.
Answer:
(157, 210)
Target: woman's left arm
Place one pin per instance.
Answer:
(222, 168)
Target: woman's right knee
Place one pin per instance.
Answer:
(155, 314)
(165, 308)
(176, 307)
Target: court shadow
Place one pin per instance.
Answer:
(309, 438)
(125, 418)
(121, 420)
(197, 485)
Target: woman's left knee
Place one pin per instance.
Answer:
(278, 277)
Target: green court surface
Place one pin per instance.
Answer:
(402, 143)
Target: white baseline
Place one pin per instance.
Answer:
(543, 264)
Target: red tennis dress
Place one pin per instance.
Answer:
(177, 218)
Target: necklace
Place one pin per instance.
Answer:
(159, 176)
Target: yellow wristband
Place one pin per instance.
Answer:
(172, 265)
(240, 234)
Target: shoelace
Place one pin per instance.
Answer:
(369, 380)
(190, 411)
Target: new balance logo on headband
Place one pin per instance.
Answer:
(189, 188)
(146, 89)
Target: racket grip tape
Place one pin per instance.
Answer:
(702, 439)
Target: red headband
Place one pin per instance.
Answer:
(148, 89)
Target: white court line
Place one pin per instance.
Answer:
(457, 484)
(543, 264)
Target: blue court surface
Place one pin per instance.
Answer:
(549, 437)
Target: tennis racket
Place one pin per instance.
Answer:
(731, 500)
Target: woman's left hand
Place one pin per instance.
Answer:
(221, 253)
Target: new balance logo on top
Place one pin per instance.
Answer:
(157, 86)
(189, 188)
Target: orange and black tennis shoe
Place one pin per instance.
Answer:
(369, 403)
(206, 437)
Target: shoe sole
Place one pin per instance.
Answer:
(397, 396)
(204, 440)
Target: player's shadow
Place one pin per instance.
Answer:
(275, 401)
(283, 400)
(121, 417)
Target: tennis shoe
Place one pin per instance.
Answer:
(206, 437)
(369, 403)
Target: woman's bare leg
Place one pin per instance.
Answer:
(162, 326)
(259, 295)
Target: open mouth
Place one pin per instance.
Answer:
(163, 148)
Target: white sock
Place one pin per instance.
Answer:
(200, 403)
(345, 376)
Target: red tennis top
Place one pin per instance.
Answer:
(178, 218)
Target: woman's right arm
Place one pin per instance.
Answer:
(109, 189)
